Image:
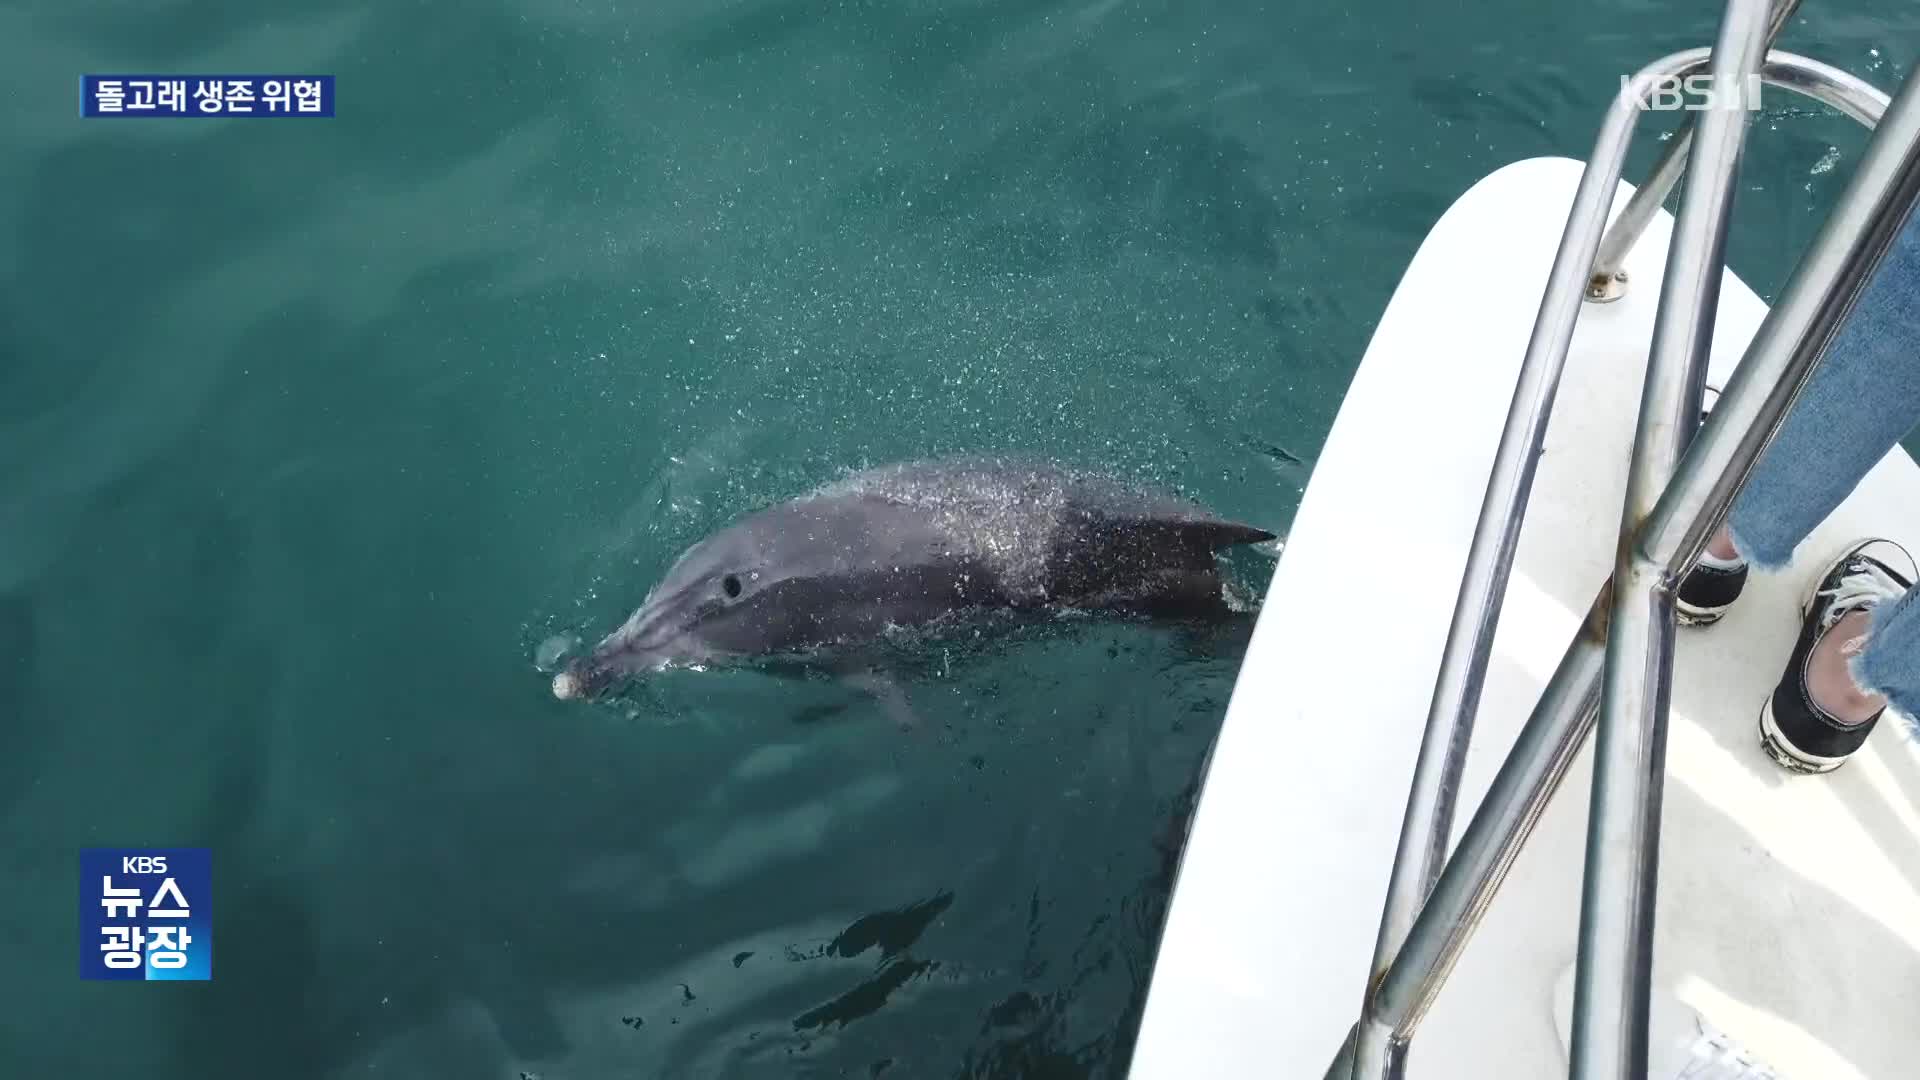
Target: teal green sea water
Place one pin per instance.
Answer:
(311, 432)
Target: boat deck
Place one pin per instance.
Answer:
(1789, 907)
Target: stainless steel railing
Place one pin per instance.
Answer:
(1424, 831)
(1432, 911)
(1436, 779)
(1610, 996)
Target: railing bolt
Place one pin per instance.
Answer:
(1605, 288)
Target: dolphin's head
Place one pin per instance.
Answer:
(707, 607)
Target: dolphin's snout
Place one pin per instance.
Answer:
(568, 686)
(614, 662)
(581, 679)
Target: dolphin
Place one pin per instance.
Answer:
(923, 546)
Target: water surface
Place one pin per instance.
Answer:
(310, 432)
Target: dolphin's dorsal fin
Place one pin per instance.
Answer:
(1208, 533)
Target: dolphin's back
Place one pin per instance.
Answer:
(1052, 535)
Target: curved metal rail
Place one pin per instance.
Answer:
(1826, 84)
(1609, 281)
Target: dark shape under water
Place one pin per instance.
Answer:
(919, 546)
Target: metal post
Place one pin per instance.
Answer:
(1407, 984)
(1611, 990)
(1424, 832)
(1608, 282)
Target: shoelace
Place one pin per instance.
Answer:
(1865, 584)
(1717, 1057)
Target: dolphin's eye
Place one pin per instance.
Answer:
(731, 586)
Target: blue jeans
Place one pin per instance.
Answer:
(1863, 398)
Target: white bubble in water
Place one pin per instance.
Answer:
(551, 651)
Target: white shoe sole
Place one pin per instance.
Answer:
(1688, 615)
(1783, 752)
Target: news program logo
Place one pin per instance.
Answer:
(146, 913)
(206, 95)
(1695, 93)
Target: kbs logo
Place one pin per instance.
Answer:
(1695, 93)
(146, 913)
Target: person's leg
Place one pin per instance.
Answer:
(1862, 400)
(1888, 667)
(1860, 646)
(1830, 681)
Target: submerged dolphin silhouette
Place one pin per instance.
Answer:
(919, 545)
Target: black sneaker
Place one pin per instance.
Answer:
(1711, 587)
(1708, 590)
(1794, 732)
